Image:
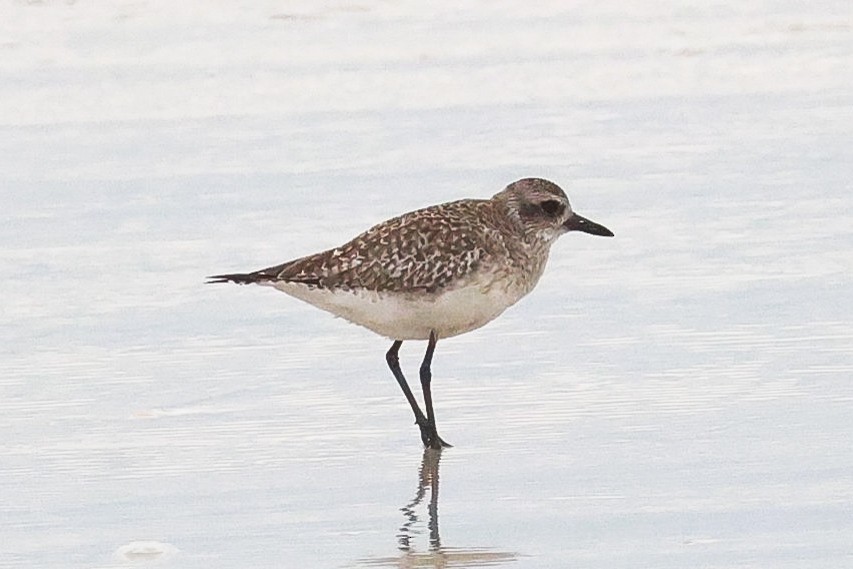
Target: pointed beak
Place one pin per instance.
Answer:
(579, 223)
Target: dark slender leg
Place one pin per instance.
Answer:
(433, 440)
(393, 359)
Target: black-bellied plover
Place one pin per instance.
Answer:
(434, 273)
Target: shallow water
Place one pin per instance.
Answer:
(678, 396)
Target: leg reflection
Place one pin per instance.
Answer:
(438, 556)
(427, 479)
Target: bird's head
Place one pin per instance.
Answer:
(543, 211)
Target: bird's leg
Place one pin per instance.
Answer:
(393, 359)
(432, 440)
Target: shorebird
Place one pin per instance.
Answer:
(433, 273)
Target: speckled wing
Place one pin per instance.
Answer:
(423, 250)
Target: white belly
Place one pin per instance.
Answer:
(411, 316)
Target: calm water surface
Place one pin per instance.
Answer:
(679, 396)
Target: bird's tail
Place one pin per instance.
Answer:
(238, 278)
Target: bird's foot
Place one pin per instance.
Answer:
(438, 443)
(430, 438)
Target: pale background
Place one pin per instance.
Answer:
(678, 396)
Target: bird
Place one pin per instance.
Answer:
(433, 273)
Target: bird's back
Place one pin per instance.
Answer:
(423, 251)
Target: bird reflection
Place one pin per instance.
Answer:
(437, 556)
(427, 478)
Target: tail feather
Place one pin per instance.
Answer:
(291, 271)
(240, 278)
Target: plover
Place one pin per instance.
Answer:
(433, 273)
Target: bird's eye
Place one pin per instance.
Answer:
(552, 207)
